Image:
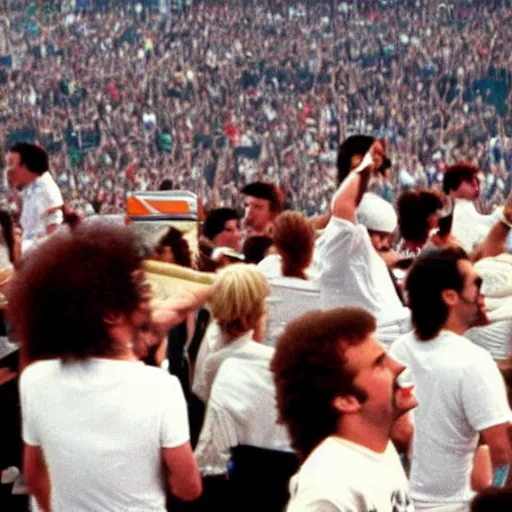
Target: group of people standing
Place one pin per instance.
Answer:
(376, 357)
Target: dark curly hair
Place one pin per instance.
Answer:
(179, 247)
(456, 174)
(64, 289)
(255, 248)
(309, 368)
(414, 209)
(294, 239)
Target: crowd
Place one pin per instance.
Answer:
(345, 343)
(219, 95)
(357, 364)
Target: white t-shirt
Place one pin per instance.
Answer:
(241, 410)
(343, 476)
(351, 273)
(460, 392)
(101, 425)
(289, 298)
(38, 197)
(469, 227)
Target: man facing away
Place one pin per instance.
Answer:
(349, 270)
(338, 395)
(460, 390)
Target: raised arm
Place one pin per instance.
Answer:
(350, 192)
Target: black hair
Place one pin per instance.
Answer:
(353, 145)
(434, 271)
(216, 221)
(34, 157)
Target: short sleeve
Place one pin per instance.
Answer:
(30, 431)
(52, 198)
(483, 394)
(174, 429)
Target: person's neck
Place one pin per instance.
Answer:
(455, 325)
(31, 179)
(356, 430)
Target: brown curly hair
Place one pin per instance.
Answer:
(64, 289)
(179, 246)
(309, 368)
(294, 239)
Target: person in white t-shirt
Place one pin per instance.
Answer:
(338, 395)
(459, 388)
(469, 227)
(101, 430)
(350, 271)
(288, 271)
(27, 169)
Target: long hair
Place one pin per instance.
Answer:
(66, 287)
(433, 272)
(179, 246)
(309, 368)
(294, 239)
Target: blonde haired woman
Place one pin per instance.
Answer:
(238, 310)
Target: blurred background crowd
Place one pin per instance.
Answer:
(212, 96)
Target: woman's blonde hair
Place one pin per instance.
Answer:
(238, 298)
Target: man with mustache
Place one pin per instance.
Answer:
(458, 385)
(338, 395)
(263, 203)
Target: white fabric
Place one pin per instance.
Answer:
(101, 425)
(469, 227)
(376, 214)
(496, 337)
(420, 506)
(344, 476)
(460, 393)
(271, 267)
(214, 350)
(351, 273)
(38, 197)
(241, 410)
(289, 298)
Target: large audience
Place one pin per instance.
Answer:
(333, 234)
(224, 94)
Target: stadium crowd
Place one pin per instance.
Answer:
(222, 95)
(337, 332)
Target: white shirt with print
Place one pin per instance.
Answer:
(341, 476)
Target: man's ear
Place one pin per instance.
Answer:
(450, 297)
(346, 404)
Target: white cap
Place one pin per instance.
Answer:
(376, 214)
